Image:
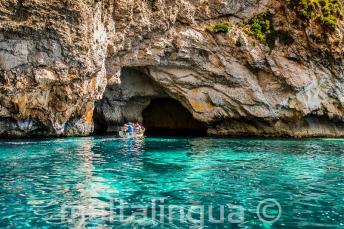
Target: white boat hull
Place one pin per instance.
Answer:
(129, 135)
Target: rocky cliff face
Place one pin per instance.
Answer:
(60, 58)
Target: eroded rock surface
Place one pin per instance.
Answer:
(126, 101)
(57, 58)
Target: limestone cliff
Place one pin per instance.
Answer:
(59, 58)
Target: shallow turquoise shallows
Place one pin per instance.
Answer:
(104, 182)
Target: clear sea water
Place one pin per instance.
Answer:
(104, 182)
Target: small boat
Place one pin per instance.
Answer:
(138, 134)
(123, 134)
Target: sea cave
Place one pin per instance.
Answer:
(140, 99)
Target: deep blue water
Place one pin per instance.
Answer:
(93, 182)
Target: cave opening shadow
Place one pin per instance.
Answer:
(167, 117)
(99, 121)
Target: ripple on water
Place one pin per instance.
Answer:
(38, 178)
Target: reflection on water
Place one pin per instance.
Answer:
(132, 145)
(40, 179)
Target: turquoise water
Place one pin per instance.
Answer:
(96, 182)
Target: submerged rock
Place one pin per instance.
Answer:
(62, 60)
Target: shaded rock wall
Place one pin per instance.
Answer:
(57, 58)
(125, 101)
(168, 116)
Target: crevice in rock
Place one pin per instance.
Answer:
(99, 121)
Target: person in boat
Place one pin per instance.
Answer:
(130, 128)
(137, 128)
(133, 128)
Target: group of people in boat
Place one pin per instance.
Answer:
(133, 128)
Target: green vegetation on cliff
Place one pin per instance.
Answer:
(261, 27)
(326, 12)
(223, 27)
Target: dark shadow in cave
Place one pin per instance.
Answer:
(166, 116)
(100, 125)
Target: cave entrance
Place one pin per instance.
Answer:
(166, 116)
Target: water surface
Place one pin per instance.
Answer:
(45, 183)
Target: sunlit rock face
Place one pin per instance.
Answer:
(52, 66)
(62, 60)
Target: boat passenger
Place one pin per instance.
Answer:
(137, 127)
(130, 129)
